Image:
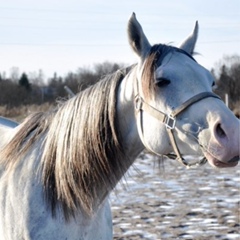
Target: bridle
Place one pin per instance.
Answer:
(170, 122)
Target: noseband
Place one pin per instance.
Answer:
(170, 122)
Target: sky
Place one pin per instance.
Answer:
(61, 36)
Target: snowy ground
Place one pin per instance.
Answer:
(172, 202)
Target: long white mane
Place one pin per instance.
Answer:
(81, 149)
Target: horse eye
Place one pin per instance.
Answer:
(162, 82)
(213, 84)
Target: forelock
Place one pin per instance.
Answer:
(154, 59)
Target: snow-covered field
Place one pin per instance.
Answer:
(171, 202)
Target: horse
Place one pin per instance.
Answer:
(57, 168)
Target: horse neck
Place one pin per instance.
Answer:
(126, 116)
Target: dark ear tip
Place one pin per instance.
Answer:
(196, 26)
(133, 17)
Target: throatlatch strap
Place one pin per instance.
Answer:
(140, 104)
(141, 133)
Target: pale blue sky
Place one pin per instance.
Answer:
(63, 35)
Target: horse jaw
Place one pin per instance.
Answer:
(189, 43)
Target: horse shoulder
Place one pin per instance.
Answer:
(29, 213)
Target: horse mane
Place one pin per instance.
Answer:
(152, 62)
(81, 152)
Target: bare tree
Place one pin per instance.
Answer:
(228, 79)
(14, 74)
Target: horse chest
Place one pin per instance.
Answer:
(24, 214)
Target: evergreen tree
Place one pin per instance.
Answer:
(24, 82)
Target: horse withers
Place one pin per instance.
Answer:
(58, 168)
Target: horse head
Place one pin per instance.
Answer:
(174, 101)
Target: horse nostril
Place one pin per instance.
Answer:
(220, 131)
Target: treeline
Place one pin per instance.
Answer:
(227, 75)
(27, 90)
(24, 90)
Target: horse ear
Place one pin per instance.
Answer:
(189, 44)
(136, 37)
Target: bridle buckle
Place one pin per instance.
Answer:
(170, 122)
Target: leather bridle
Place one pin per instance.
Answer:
(170, 122)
